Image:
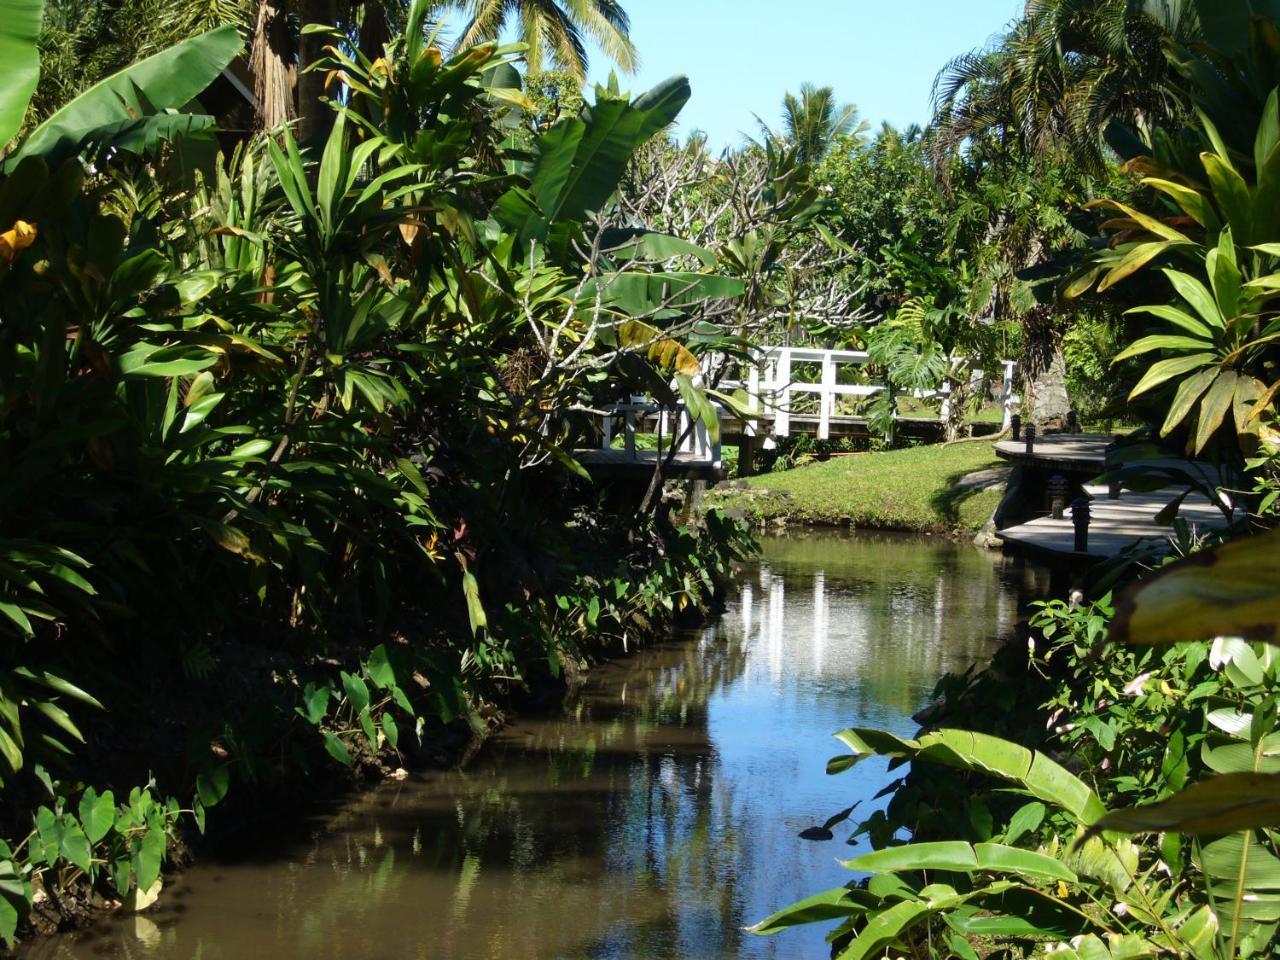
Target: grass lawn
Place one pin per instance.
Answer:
(912, 489)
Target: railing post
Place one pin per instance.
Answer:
(782, 384)
(688, 429)
(749, 428)
(1008, 394)
(891, 429)
(1057, 496)
(606, 431)
(629, 433)
(1080, 520)
(827, 398)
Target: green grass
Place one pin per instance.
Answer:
(910, 489)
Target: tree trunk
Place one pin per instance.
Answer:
(271, 61)
(315, 117)
(1044, 371)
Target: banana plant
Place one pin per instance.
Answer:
(580, 161)
(1095, 886)
(129, 107)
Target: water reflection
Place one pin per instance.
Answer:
(654, 818)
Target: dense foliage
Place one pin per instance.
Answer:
(286, 435)
(1151, 694)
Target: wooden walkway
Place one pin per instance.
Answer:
(1063, 452)
(1114, 526)
(687, 465)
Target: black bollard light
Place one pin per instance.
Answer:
(1080, 519)
(1015, 426)
(1073, 424)
(1057, 495)
(1030, 433)
(1113, 490)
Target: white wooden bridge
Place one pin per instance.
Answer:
(793, 390)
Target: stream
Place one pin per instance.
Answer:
(655, 817)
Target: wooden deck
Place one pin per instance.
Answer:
(613, 464)
(1115, 525)
(1079, 453)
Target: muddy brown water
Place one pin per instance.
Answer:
(655, 818)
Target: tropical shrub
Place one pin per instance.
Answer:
(291, 430)
(1034, 858)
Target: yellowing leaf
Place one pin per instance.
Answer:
(662, 350)
(16, 239)
(1231, 590)
(1234, 801)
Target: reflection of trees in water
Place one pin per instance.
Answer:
(610, 830)
(887, 622)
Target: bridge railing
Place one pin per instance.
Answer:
(692, 439)
(772, 385)
(774, 392)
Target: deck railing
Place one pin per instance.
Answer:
(771, 382)
(773, 390)
(692, 440)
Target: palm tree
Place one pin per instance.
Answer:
(1065, 72)
(553, 31)
(1042, 99)
(812, 122)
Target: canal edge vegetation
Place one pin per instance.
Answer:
(289, 400)
(1109, 788)
(284, 439)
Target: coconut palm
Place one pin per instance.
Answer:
(554, 31)
(1062, 74)
(1040, 101)
(813, 120)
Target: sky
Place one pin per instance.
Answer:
(741, 56)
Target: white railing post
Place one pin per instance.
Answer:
(890, 428)
(1009, 366)
(827, 398)
(782, 394)
(629, 433)
(606, 431)
(944, 412)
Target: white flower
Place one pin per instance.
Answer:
(1135, 686)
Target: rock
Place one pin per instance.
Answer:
(988, 538)
(399, 773)
(993, 478)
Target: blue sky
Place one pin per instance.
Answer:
(742, 55)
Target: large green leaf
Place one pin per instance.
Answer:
(581, 159)
(644, 294)
(1234, 801)
(19, 30)
(1042, 777)
(828, 905)
(962, 857)
(171, 78)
